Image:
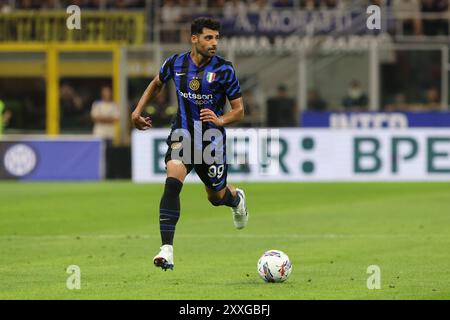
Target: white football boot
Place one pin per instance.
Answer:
(164, 259)
(240, 213)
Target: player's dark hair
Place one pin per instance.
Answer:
(202, 22)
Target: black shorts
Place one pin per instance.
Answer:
(212, 174)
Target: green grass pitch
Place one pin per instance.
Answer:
(332, 233)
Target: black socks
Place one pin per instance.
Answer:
(227, 200)
(169, 210)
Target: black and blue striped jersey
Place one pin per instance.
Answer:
(199, 87)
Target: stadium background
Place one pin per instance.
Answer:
(352, 103)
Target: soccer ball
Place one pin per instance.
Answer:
(274, 266)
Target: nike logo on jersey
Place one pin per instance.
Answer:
(179, 74)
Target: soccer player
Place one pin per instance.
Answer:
(203, 81)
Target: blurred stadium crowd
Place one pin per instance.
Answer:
(415, 75)
(418, 24)
(420, 17)
(427, 5)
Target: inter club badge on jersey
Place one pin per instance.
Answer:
(210, 77)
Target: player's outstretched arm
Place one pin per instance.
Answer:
(140, 122)
(236, 114)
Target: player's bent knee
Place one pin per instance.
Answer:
(176, 169)
(175, 163)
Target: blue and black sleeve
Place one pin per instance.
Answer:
(166, 71)
(232, 86)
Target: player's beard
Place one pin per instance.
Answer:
(212, 53)
(207, 53)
